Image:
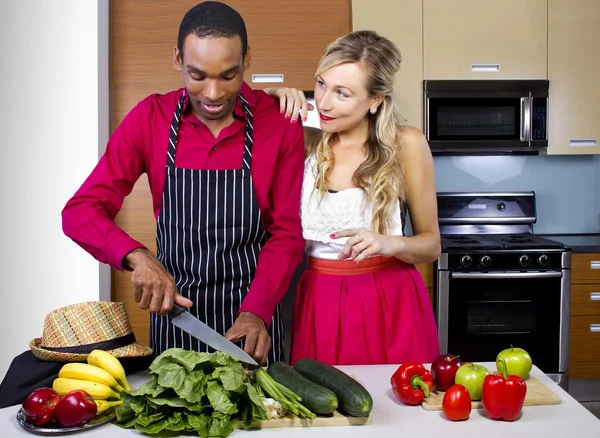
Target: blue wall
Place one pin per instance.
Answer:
(567, 187)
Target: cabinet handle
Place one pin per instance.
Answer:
(595, 296)
(595, 264)
(583, 143)
(485, 68)
(595, 328)
(264, 78)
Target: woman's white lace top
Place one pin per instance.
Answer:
(334, 212)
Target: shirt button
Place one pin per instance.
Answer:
(214, 148)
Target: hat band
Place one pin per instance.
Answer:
(111, 344)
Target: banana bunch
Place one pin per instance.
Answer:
(103, 377)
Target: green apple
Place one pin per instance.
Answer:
(518, 362)
(471, 376)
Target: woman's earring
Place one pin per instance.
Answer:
(373, 110)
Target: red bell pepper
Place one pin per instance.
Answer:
(411, 383)
(503, 395)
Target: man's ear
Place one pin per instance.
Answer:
(177, 59)
(247, 59)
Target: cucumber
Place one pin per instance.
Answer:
(314, 397)
(353, 398)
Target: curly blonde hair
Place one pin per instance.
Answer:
(382, 170)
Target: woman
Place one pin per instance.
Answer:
(361, 300)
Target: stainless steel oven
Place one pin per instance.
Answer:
(497, 284)
(486, 116)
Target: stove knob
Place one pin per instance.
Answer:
(485, 261)
(524, 260)
(544, 260)
(466, 261)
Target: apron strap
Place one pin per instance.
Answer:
(174, 128)
(248, 132)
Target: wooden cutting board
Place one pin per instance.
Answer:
(335, 419)
(537, 394)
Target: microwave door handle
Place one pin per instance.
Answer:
(525, 133)
(522, 121)
(426, 118)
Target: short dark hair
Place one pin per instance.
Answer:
(212, 19)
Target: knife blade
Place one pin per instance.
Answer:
(192, 325)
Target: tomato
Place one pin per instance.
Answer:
(456, 403)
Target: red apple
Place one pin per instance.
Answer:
(75, 408)
(443, 370)
(39, 405)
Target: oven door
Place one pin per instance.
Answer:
(487, 312)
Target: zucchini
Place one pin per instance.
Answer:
(314, 397)
(353, 398)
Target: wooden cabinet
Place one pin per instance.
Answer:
(289, 38)
(286, 38)
(584, 355)
(402, 23)
(468, 39)
(573, 64)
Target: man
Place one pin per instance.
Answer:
(225, 171)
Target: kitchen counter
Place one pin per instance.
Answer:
(579, 243)
(393, 419)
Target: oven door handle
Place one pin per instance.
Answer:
(480, 275)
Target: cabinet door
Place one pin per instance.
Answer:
(473, 39)
(402, 23)
(573, 63)
(585, 268)
(289, 37)
(585, 299)
(584, 353)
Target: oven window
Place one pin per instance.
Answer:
(487, 316)
(454, 119)
(501, 312)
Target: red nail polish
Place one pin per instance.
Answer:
(354, 261)
(294, 121)
(287, 117)
(281, 112)
(332, 236)
(304, 119)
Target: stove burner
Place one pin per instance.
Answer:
(468, 241)
(497, 241)
(516, 241)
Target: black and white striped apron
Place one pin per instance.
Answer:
(209, 234)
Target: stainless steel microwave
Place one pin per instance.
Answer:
(486, 117)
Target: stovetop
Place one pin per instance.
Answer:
(497, 242)
(494, 231)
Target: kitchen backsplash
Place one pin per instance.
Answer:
(567, 187)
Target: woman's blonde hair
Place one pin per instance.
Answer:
(382, 170)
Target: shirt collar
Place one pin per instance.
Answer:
(238, 110)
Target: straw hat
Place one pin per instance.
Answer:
(72, 332)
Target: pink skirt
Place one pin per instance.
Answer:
(375, 312)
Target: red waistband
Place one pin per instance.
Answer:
(347, 267)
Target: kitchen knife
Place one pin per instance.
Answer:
(192, 325)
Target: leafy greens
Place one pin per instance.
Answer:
(208, 393)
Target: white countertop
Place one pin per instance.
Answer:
(391, 418)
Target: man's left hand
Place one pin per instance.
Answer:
(253, 330)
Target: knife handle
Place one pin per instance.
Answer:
(176, 310)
